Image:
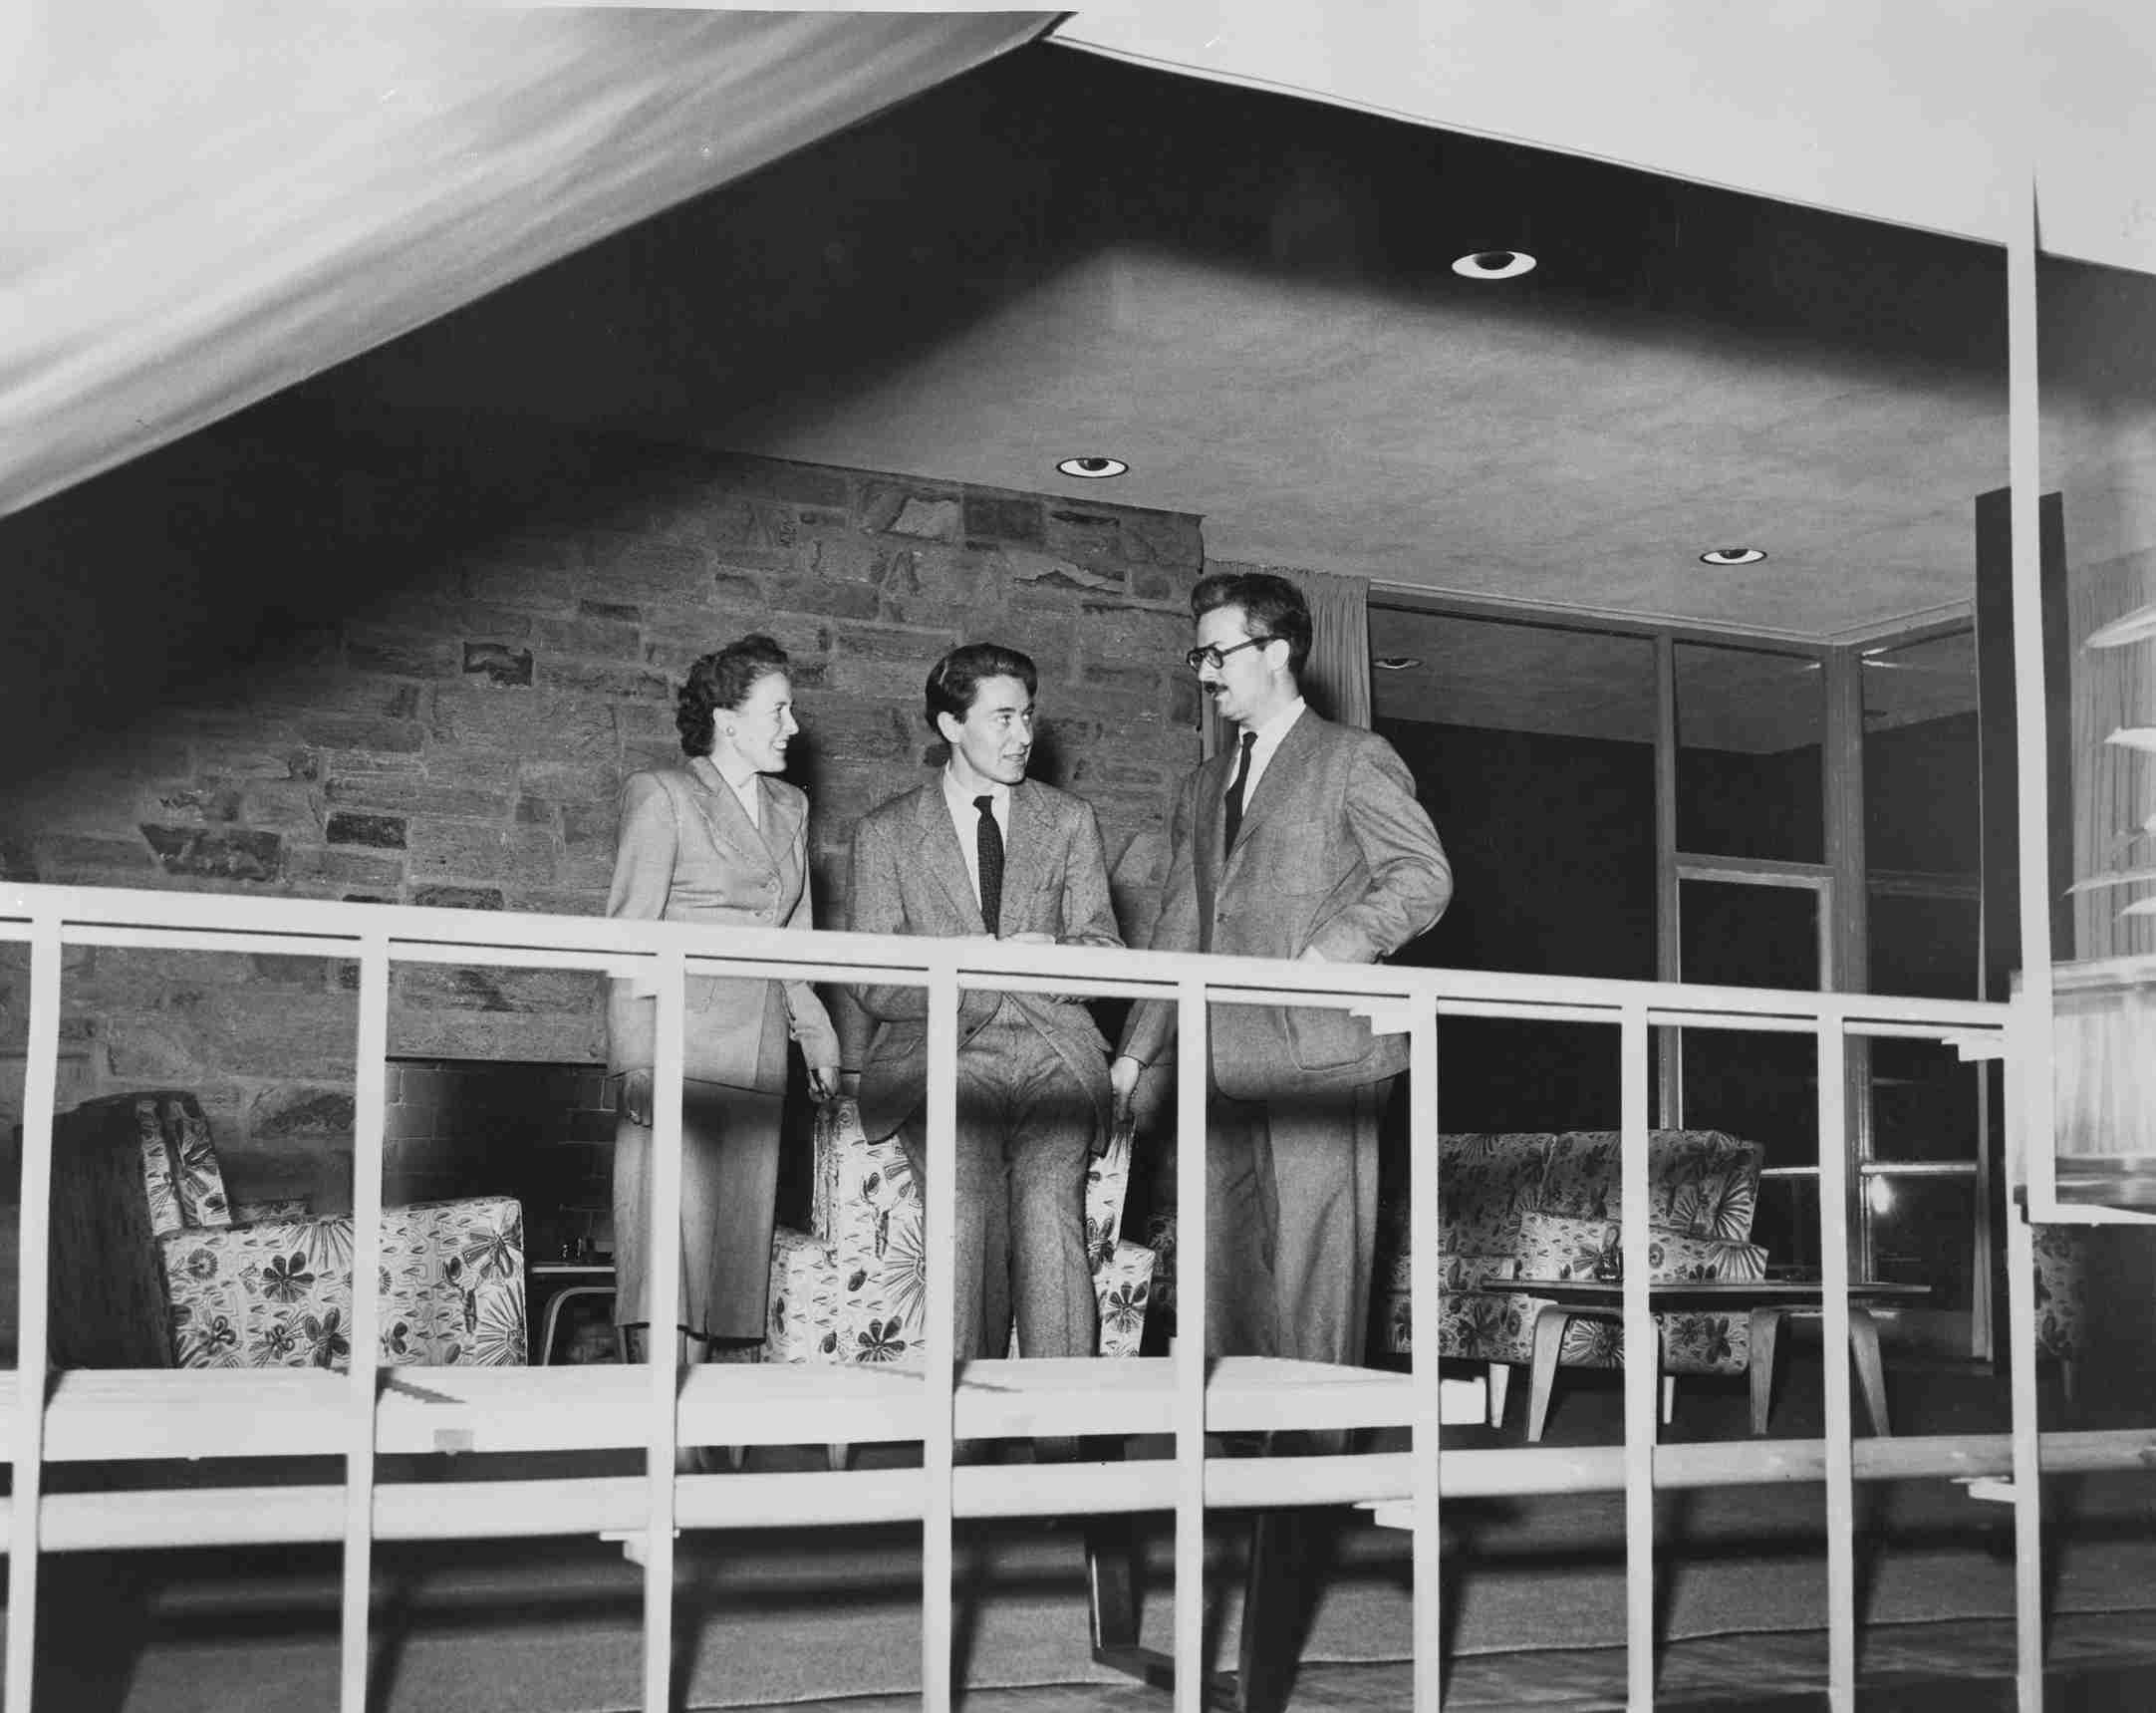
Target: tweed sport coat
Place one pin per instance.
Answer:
(1334, 853)
(910, 877)
(688, 852)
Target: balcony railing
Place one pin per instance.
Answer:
(364, 1414)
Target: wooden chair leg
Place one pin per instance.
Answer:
(1871, 1374)
(1499, 1383)
(1759, 1364)
(1550, 1325)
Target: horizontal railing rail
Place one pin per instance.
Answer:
(622, 946)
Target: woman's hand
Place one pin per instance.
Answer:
(823, 1082)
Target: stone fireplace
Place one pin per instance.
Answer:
(538, 1132)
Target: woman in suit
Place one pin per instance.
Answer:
(718, 840)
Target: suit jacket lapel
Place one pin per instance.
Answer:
(780, 823)
(1024, 847)
(723, 816)
(1209, 858)
(1280, 779)
(1212, 804)
(941, 857)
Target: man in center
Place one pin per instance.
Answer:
(982, 849)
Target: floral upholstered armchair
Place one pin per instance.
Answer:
(1517, 1208)
(151, 1268)
(851, 1288)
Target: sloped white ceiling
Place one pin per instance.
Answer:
(209, 203)
(1924, 112)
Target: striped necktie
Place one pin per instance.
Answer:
(1234, 793)
(989, 842)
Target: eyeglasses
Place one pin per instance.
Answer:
(1215, 657)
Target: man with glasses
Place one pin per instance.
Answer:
(1303, 840)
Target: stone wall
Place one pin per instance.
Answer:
(419, 662)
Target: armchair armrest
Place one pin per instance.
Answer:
(1107, 1181)
(277, 1294)
(856, 1182)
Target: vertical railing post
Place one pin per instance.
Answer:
(1833, 1069)
(370, 1067)
(1642, 1369)
(1424, 1221)
(941, 1360)
(663, 1285)
(2029, 1035)
(1669, 890)
(2032, 1117)
(1194, 1056)
(40, 1103)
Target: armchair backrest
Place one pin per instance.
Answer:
(1701, 1183)
(126, 1170)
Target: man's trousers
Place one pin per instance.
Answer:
(1025, 1134)
(1291, 1223)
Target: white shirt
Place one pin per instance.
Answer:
(966, 822)
(1268, 741)
(749, 794)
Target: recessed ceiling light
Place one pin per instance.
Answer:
(1494, 265)
(1397, 663)
(1092, 470)
(1733, 556)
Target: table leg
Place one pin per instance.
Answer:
(1551, 1322)
(1871, 1374)
(1499, 1383)
(1115, 1602)
(1760, 1365)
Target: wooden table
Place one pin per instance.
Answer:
(1767, 1301)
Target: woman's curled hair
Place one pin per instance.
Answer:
(722, 680)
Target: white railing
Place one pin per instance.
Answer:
(363, 1415)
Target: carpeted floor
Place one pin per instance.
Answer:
(1534, 1596)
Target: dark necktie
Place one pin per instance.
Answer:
(988, 840)
(1234, 793)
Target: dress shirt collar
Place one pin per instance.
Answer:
(966, 822)
(1269, 736)
(961, 803)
